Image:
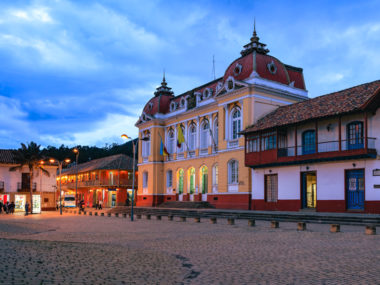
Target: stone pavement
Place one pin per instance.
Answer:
(73, 249)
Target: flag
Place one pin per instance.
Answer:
(180, 137)
(163, 150)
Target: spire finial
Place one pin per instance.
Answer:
(254, 27)
(164, 76)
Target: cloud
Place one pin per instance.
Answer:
(33, 14)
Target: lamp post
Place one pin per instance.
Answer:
(124, 136)
(52, 160)
(76, 151)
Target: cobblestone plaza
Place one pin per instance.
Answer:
(73, 249)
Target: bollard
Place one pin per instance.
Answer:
(90, 213)
(96, 213)
(183, 219)
(170, 218)
(116, 215)
(138, 216)
(124, 215)
(301, 226)
(147, 216)
(335, 228)
(274, 224)
(251, 223)
(102, 214)
(108, 214)
(213, 220)
(79, 213)
(75, 212)
(370, 230)
(197, 219)
(158, 218)
(231, 221)
(84, 212)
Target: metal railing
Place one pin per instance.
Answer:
(233, 143)
(329, 146)
(25, 187)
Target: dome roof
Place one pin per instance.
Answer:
(255, 58)
(161, 100)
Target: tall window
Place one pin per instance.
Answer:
(271, 187)
(169, 179)
(191, 175)
(204, 179)
(204, 134)
(215, 175)
(233, 172)
(171, 141)
(182, 148)
(268, 141)
(180, 174)
(355, 135)
(111, 177)
(145, 179)
(146, 144)
(236, 123)
(308, 142)
(215, 134)
(192, 137)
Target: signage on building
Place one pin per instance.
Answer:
(36, 204)
(376, 186)
(376, 172)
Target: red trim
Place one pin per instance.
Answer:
(280, 205)
(331, 206)
(149, 200)
(230, 201)
(372, 207)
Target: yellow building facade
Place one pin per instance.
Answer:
(209, 164)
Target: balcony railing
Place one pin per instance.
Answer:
(98, 183)
(180, 155)
(25, 187)
(322, 150)
(1, 185)
(203, 151)
(233, 144)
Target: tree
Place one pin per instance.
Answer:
(31, 157)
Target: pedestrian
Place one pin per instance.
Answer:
(100, 205)
(6, 207)
(26, 208)
(12, 209)
(1, 206)
(96, 205)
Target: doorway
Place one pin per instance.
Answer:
(355, 189)
(309, 190)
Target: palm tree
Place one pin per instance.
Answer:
(31, 157)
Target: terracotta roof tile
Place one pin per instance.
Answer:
(6, 156)
(345, 101)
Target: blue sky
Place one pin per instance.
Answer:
(80, 72)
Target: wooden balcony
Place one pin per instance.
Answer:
(323, 151)
(98, 183)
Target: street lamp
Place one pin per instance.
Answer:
(52, 160)
(76, 151)
(124, 136)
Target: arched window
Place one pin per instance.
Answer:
(308, 142)
(182, 148)
(215, 133)
(215, 178)
(192, 137)
(355, 138)
(171, 141)
(146, 144)
(145, 179)
(233, 172)
(180, 174)
(191, 175)
(203, 179)
(205, 134)
(235, 123)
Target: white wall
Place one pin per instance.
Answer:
(330, 179)
(11, 178)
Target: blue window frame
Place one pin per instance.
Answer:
(308, 142)
(355, 138)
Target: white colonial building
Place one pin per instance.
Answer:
(320, 154)
(15, 185)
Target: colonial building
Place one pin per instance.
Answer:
(15, 185)
(320, 154)
(105, 179)
(200, 130)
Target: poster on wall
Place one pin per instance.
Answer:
(20, 203)
(36, 204)
(4, 198)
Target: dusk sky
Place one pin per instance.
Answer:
(80, 72)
